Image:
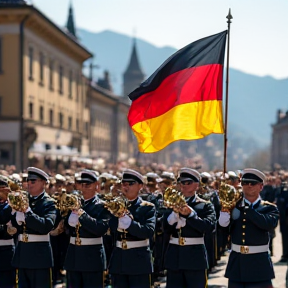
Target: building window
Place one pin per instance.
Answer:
(31, 110)
(77, 88)
(61, 79)
(31, 63)
(41, 113)
(1, 56)
(51, 116)
(51, 70)
(41, 70)
(70, 84)
(87, 129)
(61, 120)
(70, 123)
(4, 154)
(77, 125)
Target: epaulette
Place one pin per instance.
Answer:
(263, 202)
(146, 203)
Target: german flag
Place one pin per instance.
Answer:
(182, 99)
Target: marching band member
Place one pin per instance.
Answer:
(7, 272)
(33, 255)
(131, 264)
(85, 259)
(249, 263)
(186, 258)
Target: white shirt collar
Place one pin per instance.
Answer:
(252, 204)
(35, 197)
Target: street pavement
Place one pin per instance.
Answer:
(217, 279)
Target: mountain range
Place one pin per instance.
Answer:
(253, 100)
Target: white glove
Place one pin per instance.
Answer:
(73, 219)
(173, 218)
(28, 210)
(124, 222)
(224, 219)
(181, 223)
(20, 217)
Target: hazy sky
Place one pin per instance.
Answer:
(259, 29)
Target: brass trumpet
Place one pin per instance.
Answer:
(67, 202)
(4, 191)
(14, 186)
(116, 205)
(18, 200)
(228, 196)
(173, 199)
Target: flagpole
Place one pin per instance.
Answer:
(229, 17)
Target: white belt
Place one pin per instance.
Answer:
(249, 249)
(7, 242)
(125, 244)
(183, 241)
(87, 241)
(34, 238)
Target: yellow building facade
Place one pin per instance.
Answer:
(49, 111)
(110, 135)
(42, 90)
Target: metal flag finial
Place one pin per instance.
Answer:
(229, 16)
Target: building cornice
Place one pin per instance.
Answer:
(44, 27)
(105, 95)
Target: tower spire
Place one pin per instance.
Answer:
(70, 22)
(133, 76)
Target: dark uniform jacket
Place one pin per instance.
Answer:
(255, 224)
(190, 257)
(136, 260)
(94, 223)
(39, 221)
(6, 252)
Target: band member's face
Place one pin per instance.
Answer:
(69, 187)
(131, 189)
(36, 186)
(251, 190)
(59, 186)
(25, 185)
(188, 188)
(164, 185)
(89, 189)
(78, 186)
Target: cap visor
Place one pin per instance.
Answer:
(186, 179)
(33, 177)
(86, 180)
(129, 180)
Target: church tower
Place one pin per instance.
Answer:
(70, 22)
(133, 76)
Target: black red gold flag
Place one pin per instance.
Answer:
(182, 99)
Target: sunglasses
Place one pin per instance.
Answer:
(32, 181)
(188, 182)
(249, 182)
(129, 183)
